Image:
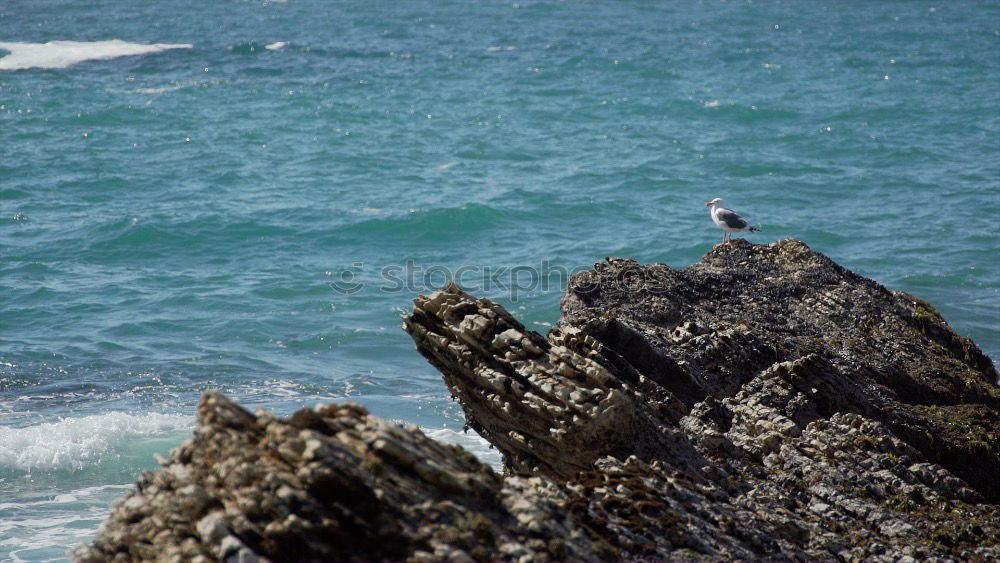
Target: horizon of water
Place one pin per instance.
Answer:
(246, 196)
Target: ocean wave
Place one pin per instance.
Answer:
(246, 48)
(73, 496)
(61, 54)
(438, 224)
(160, 90)
(471, 441)
(77, 443)
(743, 112)
(253, 47)
(44, 527)
(128, 238)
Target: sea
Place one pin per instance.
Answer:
(247, 195)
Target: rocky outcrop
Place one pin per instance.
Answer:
(331, 484)
(764, 403)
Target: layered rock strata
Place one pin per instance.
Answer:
(764, 403)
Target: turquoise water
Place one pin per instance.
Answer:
(251, 203)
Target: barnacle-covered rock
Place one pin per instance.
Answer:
(763, 404)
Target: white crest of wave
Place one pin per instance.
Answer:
(61, 54)
(75, 443)
(276, 45)
(471, 441)
(159, 90)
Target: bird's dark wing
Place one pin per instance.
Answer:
(731, 219)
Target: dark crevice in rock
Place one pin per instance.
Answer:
(625, 342)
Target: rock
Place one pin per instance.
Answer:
(815, 400)
(764, 403)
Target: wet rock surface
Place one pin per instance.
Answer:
(764, 403)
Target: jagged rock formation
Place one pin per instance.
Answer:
(330, 484)
(764, 403)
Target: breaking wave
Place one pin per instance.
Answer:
(61, 54)
(77, 443)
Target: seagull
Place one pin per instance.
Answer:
(729, 220)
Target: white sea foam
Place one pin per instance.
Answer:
(276, 45)
(75, 443)
(46, 529)
(471, 441)
(61, 54)
(161, 90)
(78, 495)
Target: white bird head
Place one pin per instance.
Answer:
(717, 201)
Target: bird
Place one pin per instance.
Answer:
(729, 220)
